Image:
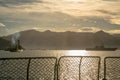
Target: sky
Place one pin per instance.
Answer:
(59, 15)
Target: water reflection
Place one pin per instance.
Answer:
(77, 52)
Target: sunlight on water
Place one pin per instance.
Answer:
(77, 52)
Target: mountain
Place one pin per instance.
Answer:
(53, 40)
(103, 38)
(117, 35)
(4, 43)
(32, 39)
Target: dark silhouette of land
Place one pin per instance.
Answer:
(32, 39)
(4, 43)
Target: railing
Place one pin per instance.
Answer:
(78, 68)
(66, 68)
(46, 68)
(27, 68)
(112, 68)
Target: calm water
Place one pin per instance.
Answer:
(58, 53)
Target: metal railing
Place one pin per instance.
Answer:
(47, 68)
(42, 68)
(112, 68)
(79, 68)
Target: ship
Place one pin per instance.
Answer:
(15, 48)
(101, 48)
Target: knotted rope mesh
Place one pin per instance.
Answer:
(42, 69)
(27, 69)
(78, 68)
(112, 68)
(13, 69)
(69, 68)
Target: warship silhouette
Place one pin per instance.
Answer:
(101, 48)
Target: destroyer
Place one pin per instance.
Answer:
(101, 48)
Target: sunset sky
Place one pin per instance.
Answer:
(59, 15)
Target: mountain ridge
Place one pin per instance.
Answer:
(32, 39)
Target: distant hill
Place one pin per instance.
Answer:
(4, 43)
(32, 39)
(117, 35)
(104, 38)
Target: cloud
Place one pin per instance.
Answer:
(8, 3)
(89, 29)
(71, 7)
(57, 21)
(60, 15)
(2, 25)
(114, 17)
(111, 0)
(115, 20)
(107, 12)
(114, 31)
(99, 22)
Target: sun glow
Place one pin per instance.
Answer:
(77, 53)
(75, 0)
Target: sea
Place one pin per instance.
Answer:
(60, 53)
(57, 53)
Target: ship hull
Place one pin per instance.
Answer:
(101, 49)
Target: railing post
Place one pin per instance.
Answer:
(28, 69)
(104, 79)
